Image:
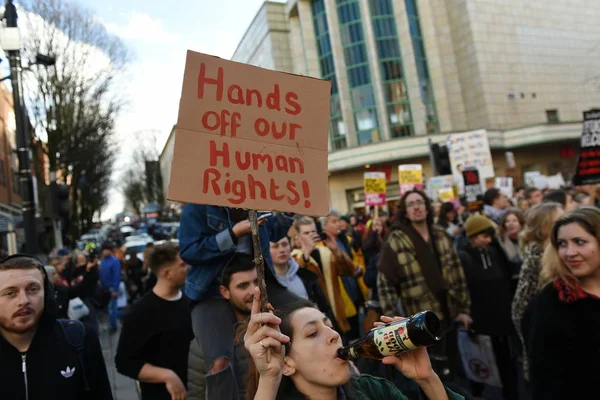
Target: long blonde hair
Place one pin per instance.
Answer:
(538, 223)
(553, 267)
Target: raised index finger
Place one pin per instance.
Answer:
(256, 301)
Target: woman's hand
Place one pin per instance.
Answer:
(262, 334)
(412, 364)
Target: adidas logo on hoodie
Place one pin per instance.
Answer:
(68, 373)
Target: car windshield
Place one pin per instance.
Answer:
(136, 249)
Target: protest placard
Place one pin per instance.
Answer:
(375, 188)
(410, 176)
(473, 189)
(588, 165)
(251, 138)
(437, 183)
(470, 150)
(505, 184)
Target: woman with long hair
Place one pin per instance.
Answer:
(564, 324)
(304, 362)
(449, 219)
(535, 237)
(374, 239)
(509, 232)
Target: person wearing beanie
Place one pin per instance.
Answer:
(487, 272)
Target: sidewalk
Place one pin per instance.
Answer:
(123, 388)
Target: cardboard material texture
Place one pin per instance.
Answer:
(251, 138)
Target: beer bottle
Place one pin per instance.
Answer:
(422, 329)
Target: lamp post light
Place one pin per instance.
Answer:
(13, 49)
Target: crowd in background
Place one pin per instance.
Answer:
(495, 270)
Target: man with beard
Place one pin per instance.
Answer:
(419, 269)
(209, 238)
(155, 339)
(237, 287)
(39, 358)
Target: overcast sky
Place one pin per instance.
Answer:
(160, 32)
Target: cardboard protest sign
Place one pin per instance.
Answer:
(588, 165)
(447, 195)
(470, 150)
(375, 188)
(442, 182)
(410, 176)
(473, 189)
(505, 184)
(251, 138)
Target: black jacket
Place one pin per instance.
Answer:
(47, 360)
(487, 272)
(85, 287)
(563, 346)
(315, 293)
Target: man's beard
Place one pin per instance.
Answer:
(244, 311)
(7, 325)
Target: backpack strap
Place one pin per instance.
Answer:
(74, 332)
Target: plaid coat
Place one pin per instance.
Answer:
(412, 291)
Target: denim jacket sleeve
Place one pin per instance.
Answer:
(279, 225)
(197, 242)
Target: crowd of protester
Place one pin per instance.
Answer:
(521, 271)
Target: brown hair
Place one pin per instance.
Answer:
(18, 261)
(553, 268)
(402, 217)
(513, 211)
(529, 192)
(162, 255)
(539, 221)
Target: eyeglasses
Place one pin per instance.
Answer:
(416, 203)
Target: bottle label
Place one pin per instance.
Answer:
(393, 339)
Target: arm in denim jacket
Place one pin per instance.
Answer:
(279, 225)
(197, 244)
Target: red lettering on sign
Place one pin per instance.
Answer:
(239, 190)
(238, 95)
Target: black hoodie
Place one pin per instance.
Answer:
(487, 273)
(47, 360)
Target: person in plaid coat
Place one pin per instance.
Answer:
(419, 269)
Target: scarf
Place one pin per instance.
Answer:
(428, 259)
(571, 293)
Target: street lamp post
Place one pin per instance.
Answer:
(23, 138)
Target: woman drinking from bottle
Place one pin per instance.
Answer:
(303, 361)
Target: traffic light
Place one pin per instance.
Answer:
(62, 201)
(441, 159)
(58, 201)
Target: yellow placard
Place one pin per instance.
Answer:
(375, 185)
(446, 194)
(411, 177)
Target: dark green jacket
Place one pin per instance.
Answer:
(367, 387)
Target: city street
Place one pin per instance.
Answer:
(123, 387)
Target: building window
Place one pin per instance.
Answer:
(2, 174)
(552, 116)
(337, 131)
(357, 68)
(392, 68)
(425, 87)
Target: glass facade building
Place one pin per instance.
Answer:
(375, 86)
(393, 81)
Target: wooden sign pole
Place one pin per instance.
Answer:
(259, 261)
